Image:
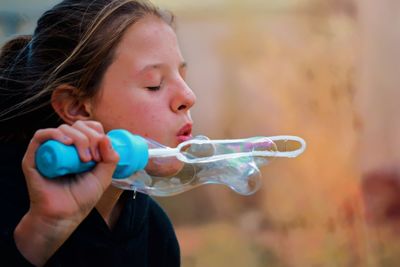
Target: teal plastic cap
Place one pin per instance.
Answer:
(132, 150)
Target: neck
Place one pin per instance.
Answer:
(109, 205)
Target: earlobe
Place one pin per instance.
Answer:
(68, 105)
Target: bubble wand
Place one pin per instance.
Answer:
(149, 167)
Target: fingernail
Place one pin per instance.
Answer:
(66, 139)
(110, 145)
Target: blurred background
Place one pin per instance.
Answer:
(325, 70)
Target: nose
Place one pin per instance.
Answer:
(184, 98)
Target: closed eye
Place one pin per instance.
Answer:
(153, 88)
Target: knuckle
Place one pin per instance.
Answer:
(97, 126)
(78, 123)
(63, 126)
(38, 133)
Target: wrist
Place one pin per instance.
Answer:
(38, 238)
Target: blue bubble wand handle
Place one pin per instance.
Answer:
(54, 159)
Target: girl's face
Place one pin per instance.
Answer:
(144, 89)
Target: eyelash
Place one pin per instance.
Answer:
(154, 88)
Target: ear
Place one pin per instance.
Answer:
(69, 106)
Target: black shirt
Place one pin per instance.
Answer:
(143, 235)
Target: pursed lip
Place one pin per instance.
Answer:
(185, 133)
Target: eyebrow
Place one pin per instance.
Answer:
(183, 65)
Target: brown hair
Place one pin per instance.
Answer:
(73, 44)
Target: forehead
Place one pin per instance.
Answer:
(148, 35)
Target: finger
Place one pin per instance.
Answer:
(80, 140)
(105, 169)
(95, 125)
(94, 132)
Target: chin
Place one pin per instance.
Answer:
(166, 167)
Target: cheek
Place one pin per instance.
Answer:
(148, 120)
(146, 117)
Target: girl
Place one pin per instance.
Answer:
(90, 66)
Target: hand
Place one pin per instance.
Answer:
(58, 206)
(70, 199)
